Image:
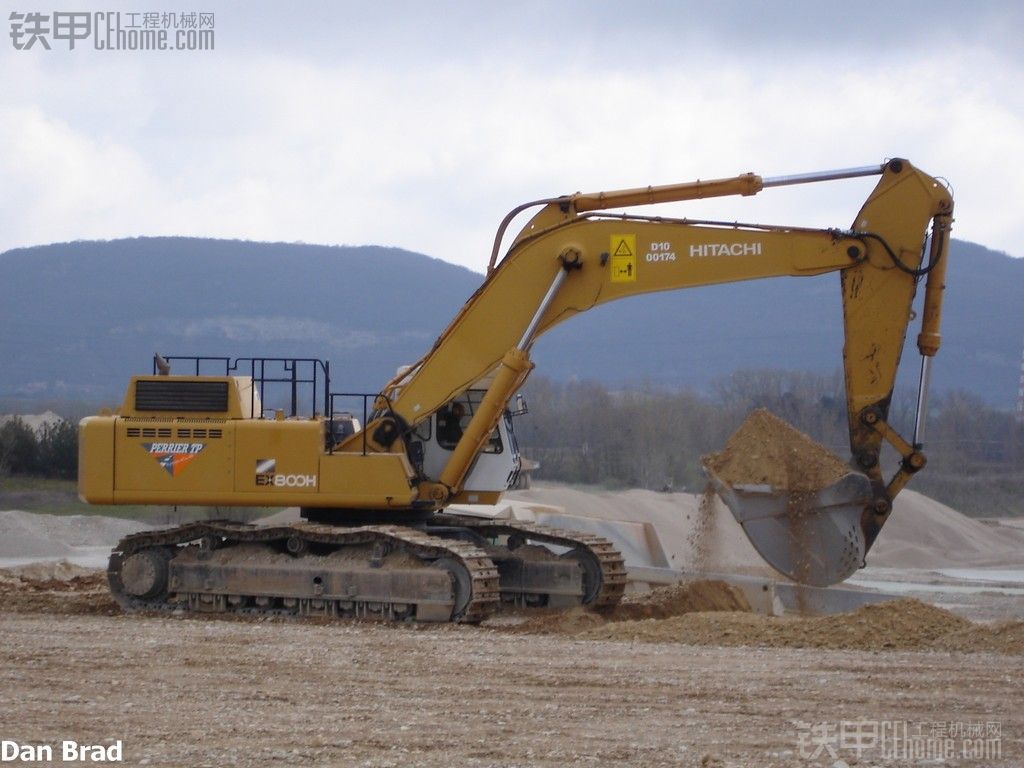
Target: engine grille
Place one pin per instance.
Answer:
(200, 396)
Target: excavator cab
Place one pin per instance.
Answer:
(495, 468)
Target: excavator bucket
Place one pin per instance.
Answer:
(813, 538)
(799, 504)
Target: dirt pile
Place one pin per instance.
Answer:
(924, 533)
(714, 613)
(572, 621)
(682, 598)
(58, 571)
(905, 624)
(767, 450)
(60, 587)
(1004, 637)
(661, 603)
(899, 625)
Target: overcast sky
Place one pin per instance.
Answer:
(420, 125)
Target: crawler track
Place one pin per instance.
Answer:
(454, 568)
(603, 564)
(481, 576)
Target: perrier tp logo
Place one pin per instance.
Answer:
(174, 457)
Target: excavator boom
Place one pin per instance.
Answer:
(440, 432)
(566, 262)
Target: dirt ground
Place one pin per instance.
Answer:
(567, 690)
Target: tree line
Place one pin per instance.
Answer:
(50, 452)
(582, 432)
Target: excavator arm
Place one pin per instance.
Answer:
(373, 546)
(572, 256)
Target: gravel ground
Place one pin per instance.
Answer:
(571, 691)
(216, 692)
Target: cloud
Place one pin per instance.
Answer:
(394, 145)
(60, 183)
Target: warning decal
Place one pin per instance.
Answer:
(623, 258)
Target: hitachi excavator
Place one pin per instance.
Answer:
(374, 481)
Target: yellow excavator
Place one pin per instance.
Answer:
(374, 474)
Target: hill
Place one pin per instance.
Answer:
(79, 318)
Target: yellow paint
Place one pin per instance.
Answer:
(255, 462)
(233, 457)
(96, 460)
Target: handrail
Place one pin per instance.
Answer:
(292, 371)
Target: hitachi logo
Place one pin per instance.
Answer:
(725, 249)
